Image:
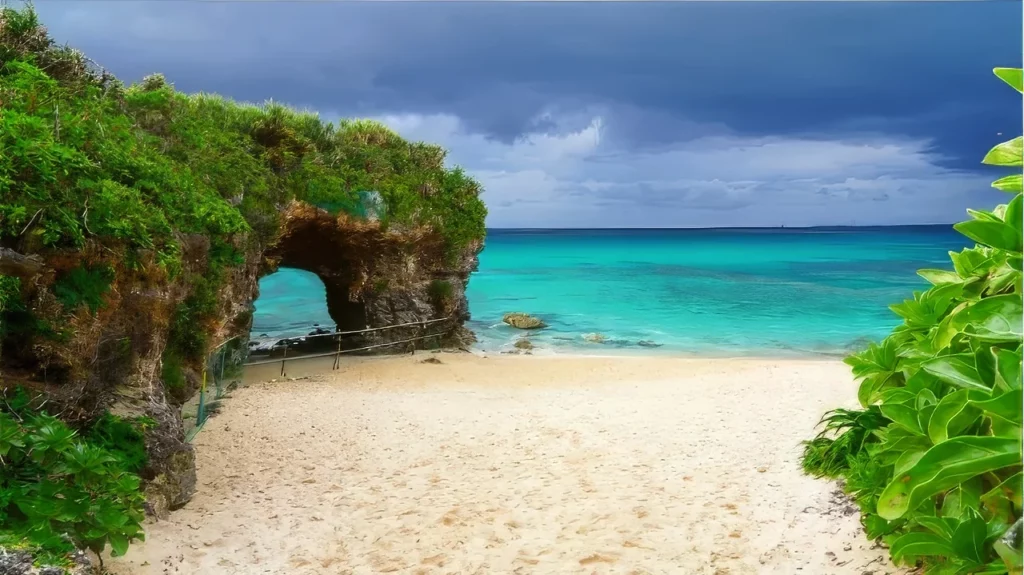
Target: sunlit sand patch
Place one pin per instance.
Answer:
(516, 465)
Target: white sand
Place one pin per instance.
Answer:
(517, 465)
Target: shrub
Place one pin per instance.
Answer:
(84, 286)
(58, 490)
(933, 458)
(123, 438)
(440, 293)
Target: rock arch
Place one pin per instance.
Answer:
(375, 276)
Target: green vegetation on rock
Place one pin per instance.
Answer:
(145, 195)
(933, 458)
(132, 178)
(86, 157)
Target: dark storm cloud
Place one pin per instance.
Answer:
(658, 75)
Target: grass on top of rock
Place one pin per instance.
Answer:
(86, 157)
(136, 173)
(933, 456)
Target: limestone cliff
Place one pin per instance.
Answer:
(376, 276)
(111, 358)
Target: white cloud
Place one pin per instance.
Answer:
(578, 178)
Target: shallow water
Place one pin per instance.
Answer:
(706, 292)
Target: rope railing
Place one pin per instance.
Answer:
(337, 353)
(217, 360)
(369, 329)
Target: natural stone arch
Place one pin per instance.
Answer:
(374, 276)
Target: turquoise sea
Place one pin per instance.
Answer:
(759, 292)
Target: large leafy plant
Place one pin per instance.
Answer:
(933, 458)
(60, 490)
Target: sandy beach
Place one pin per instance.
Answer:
(515, 465)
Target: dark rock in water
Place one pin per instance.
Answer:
(520, 320)
(319, 331)
(647, 343)
(263, 335)
(595, 337)
(524, 344)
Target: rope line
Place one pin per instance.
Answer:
(330, 353)
(201, 410)
(369, 329)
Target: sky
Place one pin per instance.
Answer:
(587, 115)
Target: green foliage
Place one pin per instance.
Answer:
(933, 458)
(138, 164)
(440, 292)
(10, 299)
(10, 293)
(60, 490)
(123, 438)
(82, 158)
(84, 286)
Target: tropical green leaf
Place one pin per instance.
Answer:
(1013, 216)
(941, 526)
(996, 506)
(998, 318)
(1011, 76)
(920, 544)
(937, 277)
(958, 370)
(1008, 369)
(1006, 406)
(997, 234)
(961, 500)
(925, 397)
(118, 545)
(995, 215)
(969, 538)
(1005, 154)
(969, 262)
(954, 413)
(1013, 184)
(944, 466)
(1009, 489)
(904, 415)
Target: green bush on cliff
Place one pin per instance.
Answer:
(60, 490)
(933, 458)
(86, 161)
(84, 157)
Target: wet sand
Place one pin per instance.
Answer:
(516, 465)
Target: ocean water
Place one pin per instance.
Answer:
(729, 292)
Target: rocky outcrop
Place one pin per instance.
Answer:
(377, 276)
(523, 344)
(520, 320)
(113, 357)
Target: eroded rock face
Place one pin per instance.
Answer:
(523, 321)
(113, 357)
(378, 277)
